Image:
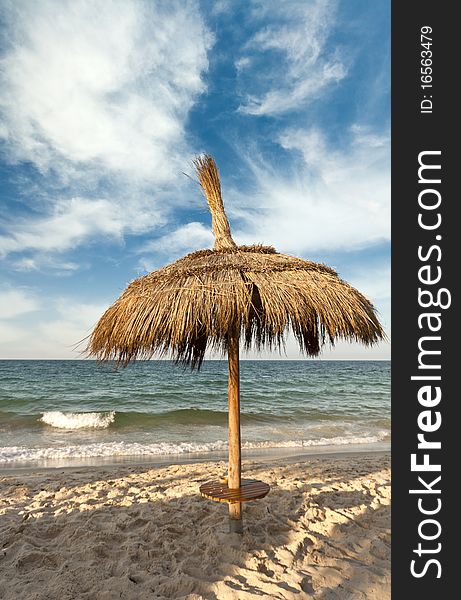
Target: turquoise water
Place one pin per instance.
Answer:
(55, 410)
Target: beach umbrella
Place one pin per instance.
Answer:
(222, 298)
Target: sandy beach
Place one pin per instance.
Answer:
(138, 531)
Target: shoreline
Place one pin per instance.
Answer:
(163, 460)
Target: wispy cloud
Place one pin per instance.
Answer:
(96, 97)
(182, 240)
(74, 220)
(288, 58)
(10, 334)
(62, 323)
(15, 305)
(15, 302)
(87, 83)
(69, 323)
(40, 262)
(331, 198)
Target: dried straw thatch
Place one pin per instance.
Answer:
(198, 301)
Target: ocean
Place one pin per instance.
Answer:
(61, 413)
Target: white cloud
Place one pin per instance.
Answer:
(184, 239)
(43, 261)
(69, 325)
(332, 200)
(76, 219)
(365, 136)
(70, 222)
(14, 302)
(96, 97)
(187, 238)
(10, 334)
(83, 313)
(63, 323)
(242, 63)
(108, 83)
(219, 7)
(297, 65)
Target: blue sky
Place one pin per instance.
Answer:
(103, 107)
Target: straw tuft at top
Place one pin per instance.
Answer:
(208, 175)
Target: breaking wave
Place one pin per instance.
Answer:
(62, 420)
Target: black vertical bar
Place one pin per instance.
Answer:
(424, 120)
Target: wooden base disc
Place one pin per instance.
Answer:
(251, 489)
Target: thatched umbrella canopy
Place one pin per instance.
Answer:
(216, 298)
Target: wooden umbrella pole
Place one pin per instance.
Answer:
(235, 464)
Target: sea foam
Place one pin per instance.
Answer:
(63, 420)
(9, 454)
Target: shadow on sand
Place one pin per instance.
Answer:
(135, 533)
